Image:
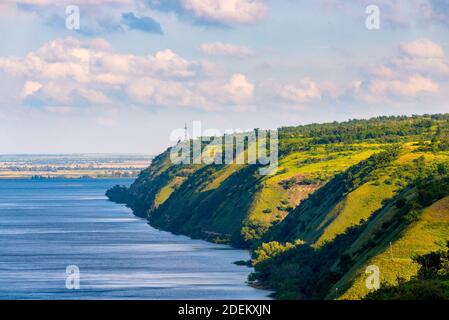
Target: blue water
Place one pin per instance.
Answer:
(47, 225)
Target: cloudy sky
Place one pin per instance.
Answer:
(138, 69)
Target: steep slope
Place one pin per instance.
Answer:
(384, 230)
(233, 203)
(395, 253)
(345, 196)
(154, 185)
(430, 283)
(340, 204)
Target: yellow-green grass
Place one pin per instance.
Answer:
(165, 166)
(167, 190)
(409, 157)
(338, 164)
(428, 234)
(357, 206)
(220, 176)
(270, 196)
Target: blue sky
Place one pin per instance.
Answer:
(138, 69)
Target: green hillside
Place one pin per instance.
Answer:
(345, 196)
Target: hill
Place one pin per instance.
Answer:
(345, 196)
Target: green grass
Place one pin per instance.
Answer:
(327, 165)
(167, 190)
(357, 206)
(424, 236)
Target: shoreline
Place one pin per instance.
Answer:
(253, 284)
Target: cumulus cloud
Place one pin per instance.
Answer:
(225, 49)
(422, 48)
(239, 90)
(155, 92)
(226, 12)
(412, 73)
(423, 56)
(411, 87)
(29, 88)
(305, 91)
(73, 73)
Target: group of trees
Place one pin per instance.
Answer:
(381, 129)
(353, 130)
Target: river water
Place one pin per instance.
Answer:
(49, 225)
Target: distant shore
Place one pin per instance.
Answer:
(89, 166)
(61, 177)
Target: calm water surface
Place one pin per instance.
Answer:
(49, 224)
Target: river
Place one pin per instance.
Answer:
(48, 225)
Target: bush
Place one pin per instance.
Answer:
(287, 184)
(271, 249)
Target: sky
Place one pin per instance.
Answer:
(134, 71)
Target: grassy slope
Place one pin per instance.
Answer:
(273, 195)
(357, 206)
(199, 209)
(233, 202)
(332, 209)
(370, 206)
(427, 234)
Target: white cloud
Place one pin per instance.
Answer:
(306, 90)
(30, 88)
(423, 56)
(239, 90)
(225, 49)
(380, 89)
(422, 48)
(415, 71)
(155, 92)
(74, 73)
(227, 11)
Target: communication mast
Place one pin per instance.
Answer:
(185, 132)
